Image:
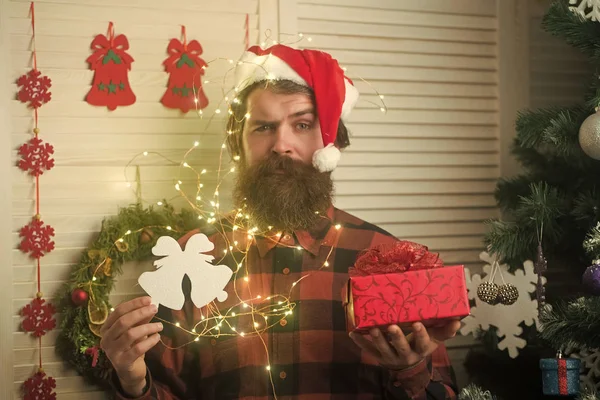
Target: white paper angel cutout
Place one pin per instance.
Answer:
(164, 284)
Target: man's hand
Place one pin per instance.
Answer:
(401, 351)
(126, 337)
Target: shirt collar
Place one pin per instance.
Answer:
(310, 240)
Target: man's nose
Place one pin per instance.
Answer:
(283, 140)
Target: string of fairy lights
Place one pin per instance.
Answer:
(264, 310)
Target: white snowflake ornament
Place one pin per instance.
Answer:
(589, 9)
(164, 284)
(506, 318)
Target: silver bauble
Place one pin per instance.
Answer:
(589, 136)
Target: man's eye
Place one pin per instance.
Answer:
(264, 128)
(303, 126)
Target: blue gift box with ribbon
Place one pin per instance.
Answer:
(560, 376)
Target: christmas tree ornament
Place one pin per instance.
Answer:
(146, 236)
(37, 238)
(589, 9)
(111, 65)
(36, 156)
(507, 294)
(164, 284)
(589, 136)
(540, 267)
(122, 245)
(591, 278)
(39, 317)
(185, 69)
(79, 297)
(34, 88)
(97, 312)
(560, 376)
(508, 319)
(487, 292)
(39, 387)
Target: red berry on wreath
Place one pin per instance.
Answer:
(79, 296)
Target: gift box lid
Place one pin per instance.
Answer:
(552, 363)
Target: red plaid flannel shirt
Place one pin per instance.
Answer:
(310, 354)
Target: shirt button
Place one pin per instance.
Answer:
(282, 375)
(283, 322)
(286, 271)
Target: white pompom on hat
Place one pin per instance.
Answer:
(335, 94)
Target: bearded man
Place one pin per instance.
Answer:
(286, 130)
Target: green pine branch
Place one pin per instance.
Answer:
(474, 392)
(573, 324)
(581, 33)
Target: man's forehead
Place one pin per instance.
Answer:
(267, 103)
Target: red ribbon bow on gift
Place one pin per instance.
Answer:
(184, 53)
(400, 256)
(110, 48)
(94, 352)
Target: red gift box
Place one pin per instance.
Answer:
(401, 284)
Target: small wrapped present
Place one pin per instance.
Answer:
(401, 284)
(560, 376)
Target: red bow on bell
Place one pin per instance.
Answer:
(110, 48)
(184, 53)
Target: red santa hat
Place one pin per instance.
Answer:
(335, 94)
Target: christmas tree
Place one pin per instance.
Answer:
(551, 211)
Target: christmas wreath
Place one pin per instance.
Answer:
(84, 298)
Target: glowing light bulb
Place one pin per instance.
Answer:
(177, 187)
(185, 164)
(259, 297)
(225, 251)
(230, 61)
(145, 153)
(217, 111)
(280, 302)
(216, 193)
(196, 144)
(245, 305)
(301, 34)
(223, 146)
(242, 334)
(128, 184)
(198, 198)
(381, 96)
(326, 263)
(235, 243)
(206, 81)
(203, 172)
(310, 39)
(268, 367)
(112, 309)
(160, 203)
(196, 100)
(233, 314)
(197, 339)
(235, 227)
(246, 279)
(128, 232)
(169, 228)
(256, 324)
(94, 279)
(247, 115)
(236, 158)
(233, 328)
(338, 227)
(177, 324)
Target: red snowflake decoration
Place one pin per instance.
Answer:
(39, 317)
(39, 387)
(35, 156)
(36, 238)
(34, 88)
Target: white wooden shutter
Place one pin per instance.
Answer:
(93, 145)
(426, 170)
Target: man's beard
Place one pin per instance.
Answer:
(284, 194)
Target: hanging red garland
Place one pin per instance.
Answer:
(37, 238)
(110, 63)
(39, 317)
(36, 156)
(185, 69)
(35, 88)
